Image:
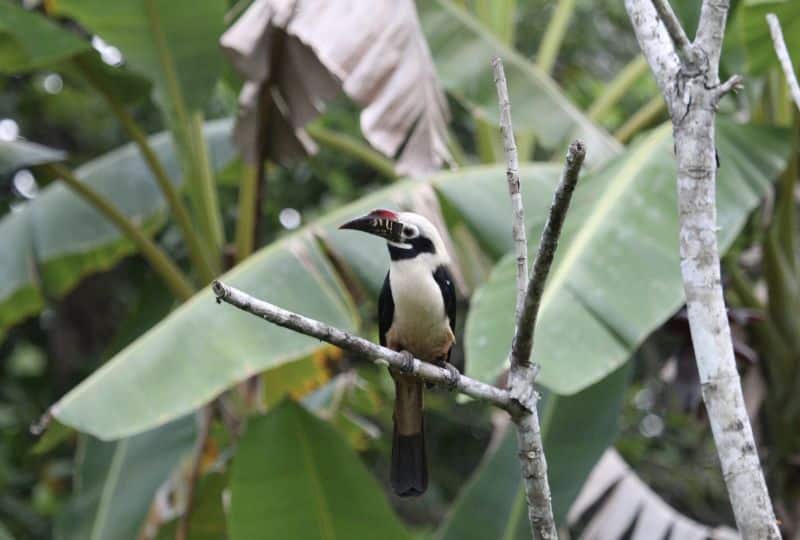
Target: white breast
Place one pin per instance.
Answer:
(420, 324)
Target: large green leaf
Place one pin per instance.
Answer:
(29, 41)
(58, 238)
(751, 25)
(17, 154)
(295, 477)
(616, 274)
(115, 482)
(172, 42)
(462, 49)
(201, 349)
(576, 430)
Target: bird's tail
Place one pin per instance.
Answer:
(409, 465)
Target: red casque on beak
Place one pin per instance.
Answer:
(383, 223)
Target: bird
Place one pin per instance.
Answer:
(416, 315)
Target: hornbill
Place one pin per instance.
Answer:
(416, 314)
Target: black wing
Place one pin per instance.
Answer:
(445, 281)
(385, 310)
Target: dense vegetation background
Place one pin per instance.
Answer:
(119, 458)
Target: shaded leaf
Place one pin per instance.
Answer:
(294, 477)
(115, 482)
(57, 239)
(208, 516)
(750, 23)
(576, 430)
(616, 275)
(29, 41)
(462, 49)
(374, 51)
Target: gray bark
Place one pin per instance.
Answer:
(690, 85)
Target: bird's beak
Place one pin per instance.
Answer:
(383, 223)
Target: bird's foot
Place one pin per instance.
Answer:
(408, 362)
(453, 376)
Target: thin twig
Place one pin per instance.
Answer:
(733, 84)
(207, 415)
(398, 360)
(783, 57)
(522, 374)
(512, 176)
(523, 339)
(675, 30)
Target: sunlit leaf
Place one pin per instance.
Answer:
(616, 275)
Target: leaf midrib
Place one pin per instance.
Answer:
(600, 210)
(325, 525)
(109, 486)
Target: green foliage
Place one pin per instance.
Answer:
(576, 430)
(456, 40)
(72, 239)
(751, 26)
(619, 246)
(115, 482)
(319, 488)
(28, 41)
(173, 44)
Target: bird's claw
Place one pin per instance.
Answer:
(453, 376)
(408, 362)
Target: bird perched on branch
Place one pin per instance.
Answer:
(416, 314)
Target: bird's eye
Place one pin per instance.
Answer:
(409, 232)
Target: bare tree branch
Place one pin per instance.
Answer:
(783, 57)
(710, 31)
(675, 30)
(655, 43)
(523, 340)
(522, 374)
(401, 361)
(512, 176)
(692, 94)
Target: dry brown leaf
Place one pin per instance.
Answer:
(374, 50)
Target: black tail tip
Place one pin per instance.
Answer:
(409, 465)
